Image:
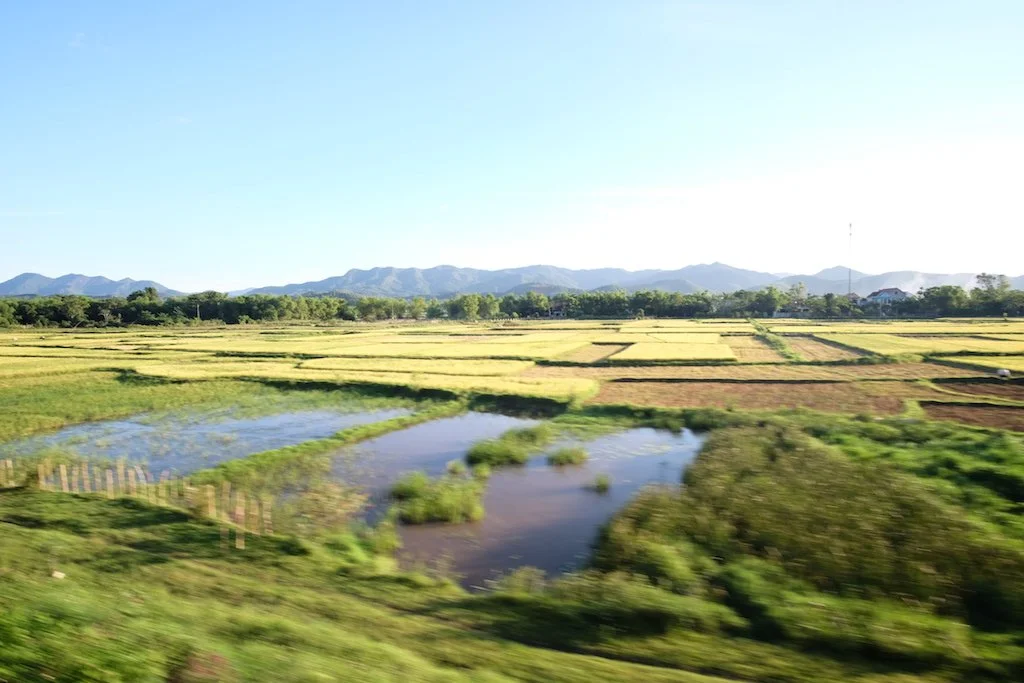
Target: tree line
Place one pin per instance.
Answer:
(993, 297)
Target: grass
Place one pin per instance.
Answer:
(514, 447)
(602, 483)
(571, 455)
(154, 595)
(452, 499)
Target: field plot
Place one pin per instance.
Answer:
(755, 373)
(592, 353)
(871, 397)
(1000, 417)
(1012, 363)
(955, 327)
(894, 344)
(814, 349)
(1011, 391)
(751, 349)
(557, 388)
(479, 368)
(668, 351)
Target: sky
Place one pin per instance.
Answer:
(231, 144)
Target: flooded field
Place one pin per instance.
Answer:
(537, 515)
(189, 443)
(376, 464)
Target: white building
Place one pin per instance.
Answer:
(889, 295)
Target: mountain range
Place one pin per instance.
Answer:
(34, 284)
(442, 281)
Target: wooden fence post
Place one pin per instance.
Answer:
(10, 472)
(86, 478)
(110, 483)
(74, 478)
(240, 520)
(226, 500)
(120, 478)
(63, 478)
(268, 523)
(211, 501)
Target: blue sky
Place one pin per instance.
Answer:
(236, 144)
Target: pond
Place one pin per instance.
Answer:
(186, 443)
(537, 515)
(377, 463)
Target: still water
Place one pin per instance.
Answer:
(185, 443)
(537, 515)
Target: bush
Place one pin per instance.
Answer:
(602, 483)
(456, 468)
(412, 485)
(482, 472)
(574, 455)
(496, 453)
(449, 499)
(514, 447)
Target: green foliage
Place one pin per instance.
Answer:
(451, 499)
(602, 483)
(572, 455)
(481, 471)
(456, 468)
(514, 447)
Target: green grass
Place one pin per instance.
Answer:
(514, 447)
(572, 455)
(450, 499)
(153, 595)
(602, 483)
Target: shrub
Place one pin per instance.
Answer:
(482, 472)
(449, 499)
(496, 453)
(456, 467)
(602, 483)
(412, 485)
(574, 455)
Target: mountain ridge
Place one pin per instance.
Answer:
(447, 280)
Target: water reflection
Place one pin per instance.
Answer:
(192, 442)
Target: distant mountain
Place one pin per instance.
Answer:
(34, 284)
(442, 281)
(839, 273)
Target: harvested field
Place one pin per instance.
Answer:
(999, 417)
(593, 353)
(895, 344)
(780, 372)
(751, 349)
(869, 397)
(1012, 363)
(813, 349)
(1005, 390)
(668, 351)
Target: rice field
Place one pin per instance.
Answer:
(669, 363)
(896, 344)
(672, 351)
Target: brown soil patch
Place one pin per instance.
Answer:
(1013, 392)
(817, 350)
(779, 372)
(1002, 417)
(751, 349)
(868, 397)
(593, 353)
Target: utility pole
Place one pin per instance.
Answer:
(197, 312)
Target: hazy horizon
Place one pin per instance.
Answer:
(235, 145)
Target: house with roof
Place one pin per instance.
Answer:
(889, 295)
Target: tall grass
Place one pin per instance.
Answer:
(450, 499)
